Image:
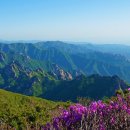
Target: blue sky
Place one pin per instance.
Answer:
(98, 21)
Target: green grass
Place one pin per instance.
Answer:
(22, 112)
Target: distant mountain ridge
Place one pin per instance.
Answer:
(85, 59)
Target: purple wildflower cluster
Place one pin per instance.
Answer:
(97, 116)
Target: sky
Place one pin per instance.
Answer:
(97, 21)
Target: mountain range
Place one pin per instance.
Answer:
(86, 59)
(61, 71)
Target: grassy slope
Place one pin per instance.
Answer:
(21, 111)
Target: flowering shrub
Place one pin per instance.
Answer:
(97, 116)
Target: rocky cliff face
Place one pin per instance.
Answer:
(60, 74)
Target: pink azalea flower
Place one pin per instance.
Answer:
(128, 89)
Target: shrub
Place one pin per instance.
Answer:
(97, 116)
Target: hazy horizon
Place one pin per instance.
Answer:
(67, 42)
(93, 21)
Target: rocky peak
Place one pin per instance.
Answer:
(13, 69)
(60, 74)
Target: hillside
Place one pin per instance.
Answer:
(95, 87)
(58, 85)
(23, 112)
